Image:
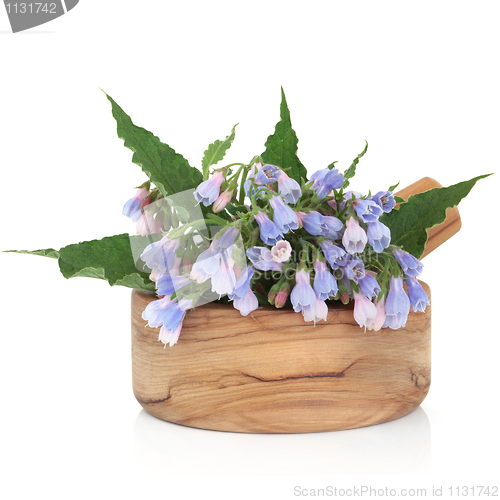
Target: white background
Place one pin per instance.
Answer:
(418, 80)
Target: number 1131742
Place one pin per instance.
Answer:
(31, 8)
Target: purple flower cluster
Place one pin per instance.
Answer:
(288, 242)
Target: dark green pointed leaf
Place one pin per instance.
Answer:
(216, 152)
(234, 209)
(398, 199)
(349, 173)
(108, 259)
(393, 187)
(168, 170)
(409, 224)
(47, 252)
(281, 147)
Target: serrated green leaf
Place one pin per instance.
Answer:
(216, 152)
(47, 252)
(409, 224)
(281, 147)
(108, 259)
(393, 187)
(349, 173)
(168, 170)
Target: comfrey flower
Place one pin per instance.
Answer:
(318, 312)
(262, 259)
(282, 251)
(224, 280)
(172, 317)
(369, 285)
(270, 233)
(226, 241)
(397, 305)
(354, 239)
(379, 320)
(410, 264)
(333, 253)
(132, 207)
(161, 254)
(254, 169)
(312, 223)
(303, 297)
(319, 225)
(170, 336)
(288, 188)
(325, 180)
(154, 309)
(418, 297)
(367, 210)
(284, 217)
(385, 200)
(206, 265)
(268, 174)
(379, 236)
(354, 269)
(365, 311)
(242, 283)
(332, 227)
(325, 285)
(170, 282)
(208, 191)
(247, 303)
(168, 314)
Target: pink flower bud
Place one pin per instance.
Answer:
(281, 297)
(221, 202)
(279, 294)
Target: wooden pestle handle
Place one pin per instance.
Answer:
(440, 233)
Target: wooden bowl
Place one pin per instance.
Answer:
(271, 372)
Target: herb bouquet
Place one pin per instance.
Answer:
(260, 233)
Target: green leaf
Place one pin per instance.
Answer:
(399, 199)
(409, 224)
(168, 170)
(216, 151)
(393, 187)
(349, 173)
(47, 252)
(281, 147)
(234, 209)
(108, 259)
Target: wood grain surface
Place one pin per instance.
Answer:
(271, 372)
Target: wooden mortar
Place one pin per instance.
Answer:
(271, 372)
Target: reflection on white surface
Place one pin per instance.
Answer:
(402, 446)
